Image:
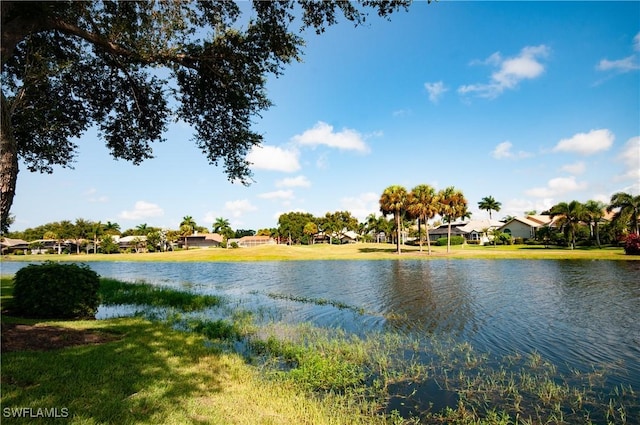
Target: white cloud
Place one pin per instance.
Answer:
(298, 181)
(323, 134)
(239, 207)
(556, 187)
(402, 113)
(274, 158)
(630, 63)
(511, 71)
(630, 157)
(91, 196)
(141, 210)
(210, 217)
(361, 205)
(278, 194)
(503, 151)
(575, 168)
(623, 65)
(436, 90)
(517, 207)
(586, 143)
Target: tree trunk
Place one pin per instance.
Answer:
(8, 165)
(419, 234)
(449, 236)
(398, 233)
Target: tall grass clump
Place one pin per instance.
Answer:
(115, 292)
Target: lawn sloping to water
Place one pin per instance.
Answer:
(154, 375)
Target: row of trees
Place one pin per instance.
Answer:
(574, 218)
(423, 203)
(82, 231)
(574, 222)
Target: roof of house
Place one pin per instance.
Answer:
(539, 218)
(480, 225)
(215, 237)
(254, 238)
(129, 239)
(527, 221)
(8, 242)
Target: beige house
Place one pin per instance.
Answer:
(249, 241)
(525, 227)
(202, 240)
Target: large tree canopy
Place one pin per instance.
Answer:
(69, 65)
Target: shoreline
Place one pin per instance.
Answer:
(358, 251)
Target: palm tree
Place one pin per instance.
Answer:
(594, 211)
(570, 216)
(628, 210)
(142, 229)
(222, 226)
(422, 204)
(394, 201)
(489, 204)
(111, 228)
(452, 205)
(186, 228)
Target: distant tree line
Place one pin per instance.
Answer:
(410, 212)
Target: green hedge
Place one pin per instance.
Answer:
(53, 290)
(455, 240)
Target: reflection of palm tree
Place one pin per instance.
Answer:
(569, 215)
(489, 204)
(628, 207)
(453, 205)
(422, 204)
(394, 201)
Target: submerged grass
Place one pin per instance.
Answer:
(115, 292)
(232, 370)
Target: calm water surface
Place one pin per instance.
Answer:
(577, 314)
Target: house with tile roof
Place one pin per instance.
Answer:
(525, 227)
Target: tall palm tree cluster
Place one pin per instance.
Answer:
(572, 215)
(423, 203)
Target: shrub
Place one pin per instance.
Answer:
(455, 240)
(473, 242)
(632, 244)
(53, 290)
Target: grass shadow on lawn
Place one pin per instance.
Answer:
(145, 377)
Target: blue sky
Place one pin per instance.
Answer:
(531, 103)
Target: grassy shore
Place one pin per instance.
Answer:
(360, 251)
(149, 373)
(146, 372)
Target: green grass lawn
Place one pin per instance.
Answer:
(359, 251)
(152, 374)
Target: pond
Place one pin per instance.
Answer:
(578, 315)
